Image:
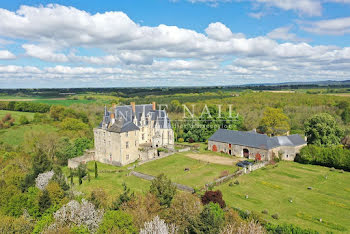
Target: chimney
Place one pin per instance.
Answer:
(112, 118)
(132, 104)
(153, 105)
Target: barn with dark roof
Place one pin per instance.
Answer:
(253, 145)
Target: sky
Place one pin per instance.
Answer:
(146, 43)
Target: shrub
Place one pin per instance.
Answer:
(213, 196)
(265, 212)
(288, 228)
(275, 216)
(23, 120)
(180, 140)
(236, 182)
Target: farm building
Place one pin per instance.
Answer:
(253, 145)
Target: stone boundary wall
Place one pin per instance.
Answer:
(149, 177)
(161, 155)
(75, 162)
(184, 149)
(238, 173)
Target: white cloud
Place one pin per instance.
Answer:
(149, 54)
(306, 7)
(339, 26)
(283, 33)
(5, 54)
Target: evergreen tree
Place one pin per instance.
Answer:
(96, 171)
(44, 201)
(124, 197)
(163, 189)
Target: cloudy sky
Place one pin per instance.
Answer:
(123, 43)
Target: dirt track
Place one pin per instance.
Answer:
(214, 159)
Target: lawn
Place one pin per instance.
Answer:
(16, 115)
(110, 179)
(15, 135)
(273, 189)
(199, 174)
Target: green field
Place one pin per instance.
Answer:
(15, 135)
(16, 115)
(200, 173)
(273, 188)
(64, 102)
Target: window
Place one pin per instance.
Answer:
(127, 144)
(126, 134)
(127, 157)
(143, 136)
(135, 143)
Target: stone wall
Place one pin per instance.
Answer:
(75, 162)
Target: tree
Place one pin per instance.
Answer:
(96, 170)
(322, 130)
(117, 222)
(158, 226)
(98, 197)
(210, 220)
(41, 163)
(183, 208)
(213, 196)
(123, 198)
(56, 112)
(163, 189)
(44, 201)
(274, 122)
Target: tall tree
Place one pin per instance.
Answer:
(274, 122)
(96, 170)
(44, 201)
(322, 130)
(163, 189)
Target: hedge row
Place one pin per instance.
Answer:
(25, 106)
(332, 156)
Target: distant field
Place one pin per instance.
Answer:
(15, 135)
(272, 188)
(16, 115)
(64, 102)
(199, 174)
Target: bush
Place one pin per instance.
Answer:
(23, 120)
(275, 216)
(265, 212)
(180, 140)
(213, 196)
(288, 228)
(332, 156)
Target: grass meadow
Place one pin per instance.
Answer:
(284, 190)
(199, 174)
(16, 115)
(14, 136)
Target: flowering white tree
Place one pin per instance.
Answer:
(43, 179)
(75, 213)
(158, 226)
(244, 228)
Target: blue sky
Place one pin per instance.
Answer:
(172, 42)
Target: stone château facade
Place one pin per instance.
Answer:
(132, 132)
(253, 145)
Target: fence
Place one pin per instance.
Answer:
(238, 173)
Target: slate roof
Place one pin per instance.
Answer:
(255, 140)
(124, 117)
